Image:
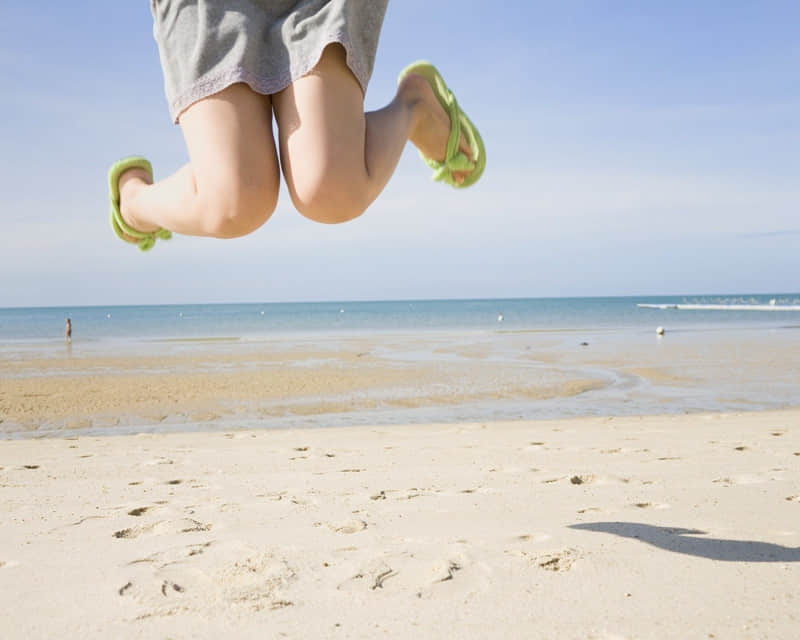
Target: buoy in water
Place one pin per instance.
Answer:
(660, 331)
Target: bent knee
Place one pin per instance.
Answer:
(330, 212)
(235, 212)
(331, 201)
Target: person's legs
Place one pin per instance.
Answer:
(230, 186)
(335, 158)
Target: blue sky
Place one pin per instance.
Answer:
(634, 148)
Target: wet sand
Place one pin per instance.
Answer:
(395, 379)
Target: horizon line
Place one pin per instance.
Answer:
(395, 300)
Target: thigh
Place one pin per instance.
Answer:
(230, 141)
(321, 124)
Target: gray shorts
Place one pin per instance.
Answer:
(208, 45)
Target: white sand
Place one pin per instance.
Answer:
(656, 527)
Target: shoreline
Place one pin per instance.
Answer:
(396, 379)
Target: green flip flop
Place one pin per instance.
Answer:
(455, 160)
(144, 240)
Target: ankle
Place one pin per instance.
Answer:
(411, 94)
(131, 184)
(425, 112)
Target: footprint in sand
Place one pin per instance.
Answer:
(743, 479)
(374, 576)
(351, 526)
(520, 546)
(534, 446)
(559, 561)
(588, 479)
(158, 460)
(371, 577)
(650, 505)
(133, 532)
(236, 577)
(256, 581)
(531, 537)
(452, 567)
(162, 559)
(182, 525)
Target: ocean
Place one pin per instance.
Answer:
(99, 326)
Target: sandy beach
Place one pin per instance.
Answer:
(306, 489)
(682, 526)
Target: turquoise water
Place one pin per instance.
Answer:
(45, 325)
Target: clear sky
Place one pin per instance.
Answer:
(634, 148)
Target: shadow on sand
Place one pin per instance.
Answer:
(686, 541)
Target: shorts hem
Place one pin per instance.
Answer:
(214, 83)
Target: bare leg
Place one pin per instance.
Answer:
(230, 186)
(335, 158)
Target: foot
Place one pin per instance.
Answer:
(430, 127)
(130, 184)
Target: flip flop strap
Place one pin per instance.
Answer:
(454, 160)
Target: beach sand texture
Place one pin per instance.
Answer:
(395, 379)
(656, 527)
